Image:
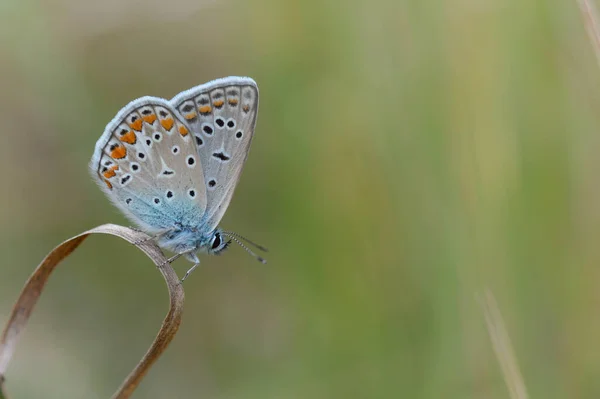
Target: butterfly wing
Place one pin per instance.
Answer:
(146, 162)
(221, 115)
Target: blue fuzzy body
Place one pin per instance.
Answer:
(186, 239)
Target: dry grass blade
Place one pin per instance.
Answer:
(590, 18)
(34, 286)
(502, 347)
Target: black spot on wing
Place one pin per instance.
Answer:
(221, 156)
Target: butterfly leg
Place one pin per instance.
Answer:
(192, 257)
(171, 259)
(190, 271)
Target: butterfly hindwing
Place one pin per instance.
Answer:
(147, 163)
(221, 115)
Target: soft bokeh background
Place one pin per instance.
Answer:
(408, 154)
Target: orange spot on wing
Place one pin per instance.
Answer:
(137, 125)
(150, 118)
(218, 103)
(191, 115)
(111, 171)
(119, 152)
(167, 123)
(128, 137)
(232, 101)
(183, 130)
(246, 108)
(205, 109)
(108, 184)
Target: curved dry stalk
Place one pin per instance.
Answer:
(36, 282)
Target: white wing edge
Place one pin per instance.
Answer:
(228, 81)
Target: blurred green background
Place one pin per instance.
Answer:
(408, 154)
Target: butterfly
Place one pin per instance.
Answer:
(172, 166)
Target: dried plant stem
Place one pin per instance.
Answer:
(590, 19)
(502, 347)
(37, 281)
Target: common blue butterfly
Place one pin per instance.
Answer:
(172, 166)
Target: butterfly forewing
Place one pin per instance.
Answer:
(147, 163)
(221, 116)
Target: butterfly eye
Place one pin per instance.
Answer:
(216, 241)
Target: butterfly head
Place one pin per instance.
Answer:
(218, 243)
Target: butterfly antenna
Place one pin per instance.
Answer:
(241, 244)
(232, 234)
